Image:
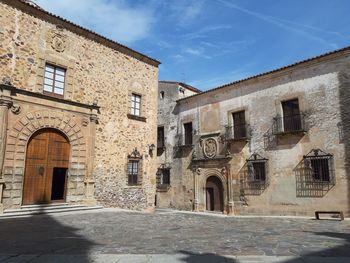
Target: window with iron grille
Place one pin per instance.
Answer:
(165, 177)
(135, 104)
(315, 174)
(254, 175)
(160, 137)
(239, 125)
(133, 171)
(291, 115)
(54, 79)
(188, 133)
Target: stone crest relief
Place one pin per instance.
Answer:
(58, 40)
(210, 148)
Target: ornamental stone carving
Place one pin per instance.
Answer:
(58, 40)
(210, 148)
(16, 109)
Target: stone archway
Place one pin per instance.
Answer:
(214, 194)
(18, 138)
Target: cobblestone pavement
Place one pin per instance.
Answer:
(100, 234)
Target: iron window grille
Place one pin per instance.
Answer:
(54, 79)
(160, 137)
(254, 178)
(135, 104)
(133, 171)
(163, 177)
(289, 124)
(315, 174)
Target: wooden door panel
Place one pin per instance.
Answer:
(46, 150)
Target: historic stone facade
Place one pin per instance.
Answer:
(276, 143)
(94, 114)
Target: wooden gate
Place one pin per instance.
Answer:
(47, 161)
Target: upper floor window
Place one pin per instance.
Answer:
(291, 115)
(160, 137)
(135, 104)
(161, 95)
(54, 79)
(239, 125)
(188, 130)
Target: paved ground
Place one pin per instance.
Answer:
(120, 236)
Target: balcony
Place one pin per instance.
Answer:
(293, 124)
(239, 132)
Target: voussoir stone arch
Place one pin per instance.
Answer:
(23, 130)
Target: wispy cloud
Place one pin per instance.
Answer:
(285, 24)
(184, 12)
(200, 52)
(204, 31)
(116, 19)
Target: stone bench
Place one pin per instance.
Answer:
(340, 213)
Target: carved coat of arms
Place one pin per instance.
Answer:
(210, 148)
(58, 40)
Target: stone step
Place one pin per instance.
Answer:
(45, 209)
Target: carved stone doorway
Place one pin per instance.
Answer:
(214, 194)
(47, 162)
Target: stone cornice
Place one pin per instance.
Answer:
(14, 91)
(57, 20)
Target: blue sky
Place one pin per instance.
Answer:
(208, 43)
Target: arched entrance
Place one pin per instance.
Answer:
(214, 194)
(47, 162)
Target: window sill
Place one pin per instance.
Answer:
(134, 186)
(136, 118)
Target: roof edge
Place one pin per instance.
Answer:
(187, 86)
(79, 30)
(324, 55)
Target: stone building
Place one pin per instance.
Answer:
(78, 114)
(276, 143)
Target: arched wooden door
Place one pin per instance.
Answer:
(47, 161)
(214, 194)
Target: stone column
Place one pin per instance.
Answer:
(230, 205)
(196, 174)
(5, 104)
(89, 180)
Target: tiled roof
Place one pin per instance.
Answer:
(189, 87)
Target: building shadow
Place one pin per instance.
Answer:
(191, 257)
(336, 252)
(44, 237)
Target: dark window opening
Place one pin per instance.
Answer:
(258, 171)
(239, 125)
(320, 169)
(160, 137)
(291, 115)
(133, 170)
(165, 177)
(188, 133)
(161, 95)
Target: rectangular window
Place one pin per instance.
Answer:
(135, 104)
(133, 171)
(259, 171)
(320, 169)
(165, 180)
(188, 133)
(54, 79)
(160, 137)
(239, 125)
(291, 115)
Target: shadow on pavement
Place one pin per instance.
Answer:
(43, 236)
(342, 251)
(192, 257)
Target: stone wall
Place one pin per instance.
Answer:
(95, 73)
(320, 86)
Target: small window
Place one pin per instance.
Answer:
(160, 137)
(188, 133)
(165, 177)
(161, 95)
(291, 115)
(54, 80)
(135, 104)
(133, 171)
(257, 170)
(239, 125)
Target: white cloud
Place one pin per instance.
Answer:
(184, 12)
(200, 52)
(117, 20)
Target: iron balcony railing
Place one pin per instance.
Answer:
(289, 124)
(237, 132)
